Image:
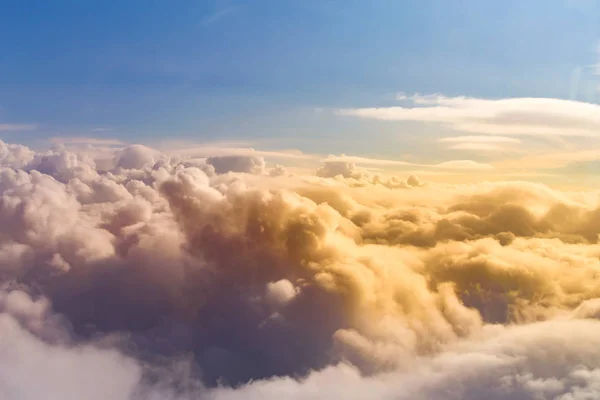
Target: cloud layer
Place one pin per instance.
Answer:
(147, 276)
(514, 116)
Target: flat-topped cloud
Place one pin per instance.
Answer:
(512, 116)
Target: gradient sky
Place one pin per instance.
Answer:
(270, 73)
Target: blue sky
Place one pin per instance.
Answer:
(259, 71)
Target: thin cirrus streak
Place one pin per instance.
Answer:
(159, 277)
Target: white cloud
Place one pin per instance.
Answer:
(69, 140)
(239, 163)
(364, 160)
(200, 151)
(486, 290)
(479, 139)
(513, 116)
(401, 96)
(17, 127)
(278, 170)
(480, 143)
(136, 157)
(550, 160)
(463, 164)
(14, 155)
(476, 147)
(217, 15)
(453, 164)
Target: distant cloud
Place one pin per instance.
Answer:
(86, 141)
(212, 150)
(551, 160)
(476, 147)
(17, 127)
(454, 164)
(241, 163)
(364, 160)
(478, 143)
(479, 139)
(463, 164)
(400, 96)
(217, 15)
(513, 116)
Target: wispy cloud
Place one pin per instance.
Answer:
(365, 160)
(211, 151)
(86, 141)
(17, 127)
(476, 147)
(551, 160)
(218, 15)
(453, 164)
(479, 139)
(513, 116)
(463, 164)
(479, 143)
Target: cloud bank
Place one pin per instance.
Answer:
(145, 276)
(513, 116)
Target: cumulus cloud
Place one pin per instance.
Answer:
(514, 116)
(342, 169)
(241, 163)
(14, 155)
(278, 170)
(157, 277)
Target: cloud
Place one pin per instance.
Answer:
(479, 139)
(195, 151)
(136, 157)
(341, 169)
(246, 164)
(17, 127)
(364, 160)
(463, 164)
(342, 160)
(278, 170)
(550, 160)
(218, 15)
(476, 147)
(513, 116)
(62, 140)
(478, 143)
(32, 369)
(15, 155)
(152, 278)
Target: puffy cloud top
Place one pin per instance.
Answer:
(237, 163)
(136, 157)
(156, 279)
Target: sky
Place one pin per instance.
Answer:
(272, 74)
